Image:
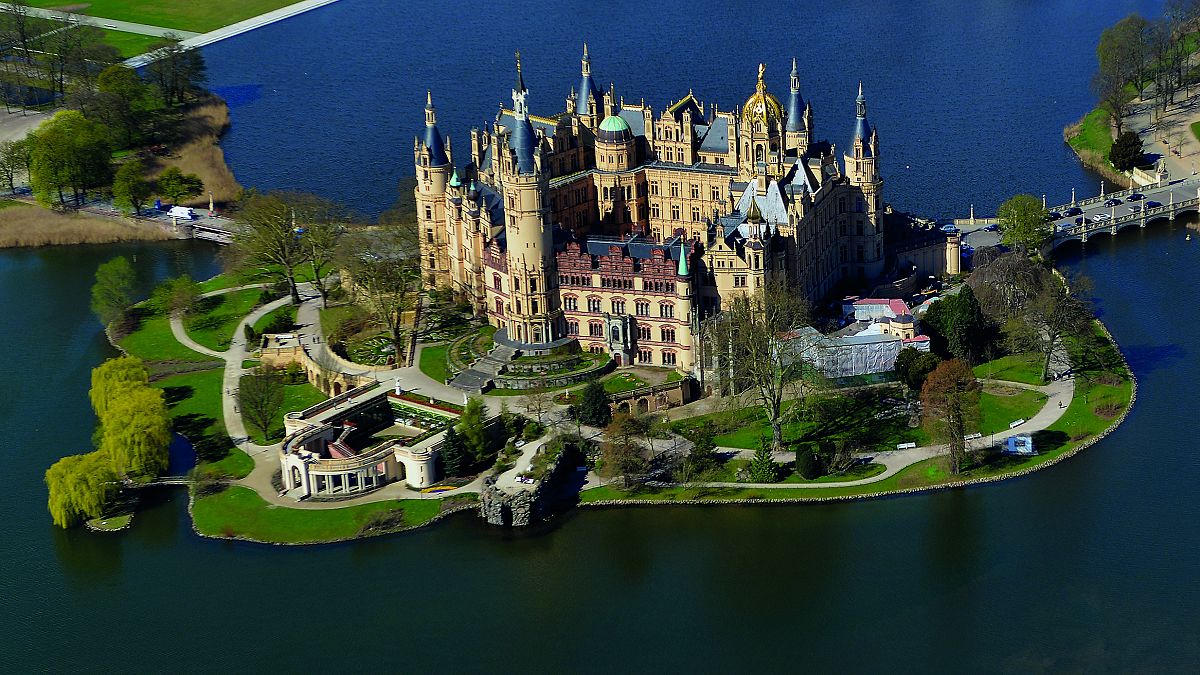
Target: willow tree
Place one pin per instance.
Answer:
(79, 488)
(112, 294)
(113, 379)
(136, 432)
(759, 344)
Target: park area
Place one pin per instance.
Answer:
(191, 16)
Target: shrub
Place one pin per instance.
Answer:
(1126, 152)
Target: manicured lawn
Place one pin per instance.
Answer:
(295, 397)
(218, 316)
(432, 361)
(1195, 126)
(869, 417)
(332, 317)
(239, 511)
(153, 341)
(287, 310)
(621, 382)
(1024, 368)
(130, 44)
(673, 376)
(999, 410)
(194, 401)
(859, 472)
(197, 17)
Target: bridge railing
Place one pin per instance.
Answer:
(1137, 216)
(1098, 199)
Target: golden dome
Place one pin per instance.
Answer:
(762, 106)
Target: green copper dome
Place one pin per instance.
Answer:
(614, 123)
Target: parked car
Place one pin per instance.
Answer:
(1135, 197)
(1112, 202)
(949, 229)
(991, 228)
(1053, 215)
(1079, 220)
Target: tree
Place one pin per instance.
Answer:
(1126, 152)
(112, 380)
(1110, 91)
(620, 453)
(594, 406)
(12, 162)
(320, 222)
(757, 345)
(130, 189)
(453, 453)
(122, 102)
(112, 294)
(177, 70)
(538, 403)
(950, 406)
(763, 468)
(1005, 285)
(957, 326)
(1056, 313)
(914, 365)
(267, 238)
(177, 186)
(177, 295)
(1122, 50)
(136, 432)
(472, 430)
(1023, 222)
(68, 153)
(385, 276)
(704, 449)
(79, 487)
(260, 396)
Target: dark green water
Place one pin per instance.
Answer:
(1088, 566)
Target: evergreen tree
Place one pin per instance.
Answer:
(704, 448)
(471, 430)
(453, 453)
(763, 468)
(112, 294)
(594, 405)
(1126, 152)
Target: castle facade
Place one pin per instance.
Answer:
(623, 229)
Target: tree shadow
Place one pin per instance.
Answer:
(176, 395)
(210, 445)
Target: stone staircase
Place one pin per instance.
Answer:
(477, 378)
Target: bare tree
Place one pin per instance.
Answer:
(269, 237)
(538, 403)
(1110, 90)
(385, 275)
(759, 348)
(260, 395)
(1056, 313)
(950, 405)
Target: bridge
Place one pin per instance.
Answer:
(1082, 219)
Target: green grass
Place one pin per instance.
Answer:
(851, 417)
(218, 316)
(130, 44)
(860, 472)
(286, 310)
(1024, 368)
(332, 317)
(153, 340)
(295, 397)
(250, 363)
(1094, 133)
(5, 203)
(998, 411)
(432, 361)
(673, 376)
(194, 401)
(197, 17)
(1195, 126)
(111, 523)
(622, 382)
(239, 511)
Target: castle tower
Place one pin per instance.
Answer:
(616, 192)
(432, 160)
(589, 98)
(533, 315)
(798, 116)
(761, 134)
(863, 174)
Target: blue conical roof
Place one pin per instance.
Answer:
(862, 128)
(522, 140)
(795, 106)
(437, 149)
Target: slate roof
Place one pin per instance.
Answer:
(715, 137)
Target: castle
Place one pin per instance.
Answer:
(623, 230)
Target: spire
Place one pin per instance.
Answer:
(587, 87)
(796, 106)
(587, 62)
(520, 80)
(862, 128)
(433, 138)
(683, 264)
(753, 215)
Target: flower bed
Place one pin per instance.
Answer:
(428, 401)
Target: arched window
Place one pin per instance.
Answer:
(758, 153)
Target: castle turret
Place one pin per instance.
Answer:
(432, 160)
(534, 315)
(588, 100)
(798, 116)
(761, 133)
(863, 174)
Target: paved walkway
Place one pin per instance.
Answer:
(111, 24)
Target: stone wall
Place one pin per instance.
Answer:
(525, 507)
(655, 398)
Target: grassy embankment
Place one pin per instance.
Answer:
(196, 17)
(194, 401)
(240, 512)
(130, 44)
(197, 150)
(1024, 368)
(218, 316)
(1104, 390)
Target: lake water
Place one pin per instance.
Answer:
(1090, 565)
